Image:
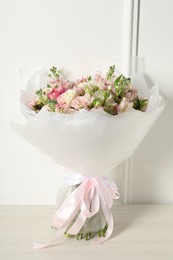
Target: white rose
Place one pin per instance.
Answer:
(69, 95)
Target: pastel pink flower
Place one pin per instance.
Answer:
(66, 97)
(64, 109)
(32, 102)
(98, 77)
(53, 83)
(82, 80)
(81, 102)
(61, 99)
(132, 94)
(56, 92)
(125, 105)
(80, 91)
(61, 90)
(53, 94)
(65, 84)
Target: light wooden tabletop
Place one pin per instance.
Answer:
(141, 232)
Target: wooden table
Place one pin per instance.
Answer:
(141, 232)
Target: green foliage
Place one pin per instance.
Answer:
(97, 102)
(91, 90)
(37, 107)
(55, 72)
(90, 235)
(52, 104)
(121, 85)
(140, 104)
(43, 101)
(121, 81)
(101, 98)
(41, 97)
(111, 109)
(105, 93)
(110, 72)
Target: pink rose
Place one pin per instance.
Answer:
(61, 100)
(56, 92)
(53, 94)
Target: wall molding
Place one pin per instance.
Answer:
(131, 16)
(127, 35)
(135, 33)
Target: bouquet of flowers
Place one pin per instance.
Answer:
(114, 96)
(93, 123)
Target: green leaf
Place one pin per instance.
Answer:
(110, 72)
(121, 85)
(91, 91)
(52, 104)
(38, 106)
(41, 98)
(140, 104)
(97, 102)
(117, 81)
(55, 72)
(122, 81)
(105, 93)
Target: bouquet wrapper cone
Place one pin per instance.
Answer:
(90, 143)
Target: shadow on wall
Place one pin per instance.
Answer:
(153, 160)
(159, 140)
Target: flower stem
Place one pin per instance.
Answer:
(90, 235)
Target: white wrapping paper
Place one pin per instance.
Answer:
(89, 142)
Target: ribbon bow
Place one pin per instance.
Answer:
(91, 194)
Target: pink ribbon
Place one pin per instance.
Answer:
(92, 193)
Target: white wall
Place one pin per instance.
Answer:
(153, 162)
(40, 33)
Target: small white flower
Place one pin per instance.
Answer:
(69, 95)
(47, 91)
(83, 85)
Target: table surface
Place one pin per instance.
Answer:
(140, 232)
